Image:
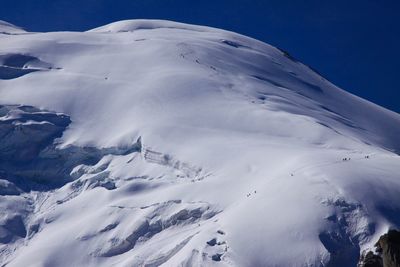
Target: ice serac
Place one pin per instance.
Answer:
(156, 143)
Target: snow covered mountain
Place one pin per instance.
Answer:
(148, 143)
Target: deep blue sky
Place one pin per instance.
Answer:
(353, 43)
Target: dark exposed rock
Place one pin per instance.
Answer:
(387, 252)
(388, 246)
(216, 257)
(212, 242)
(370, 260)
(220, 232)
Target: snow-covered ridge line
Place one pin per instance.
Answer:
(8, 28)
(143, 24)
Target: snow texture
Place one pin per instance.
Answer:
(155, 143)
(8, 28)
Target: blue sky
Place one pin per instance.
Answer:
(355, 44)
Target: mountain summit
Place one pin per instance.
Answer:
(149, 142)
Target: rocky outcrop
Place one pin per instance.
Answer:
(389, 247)
(370, 260)
(387, 252)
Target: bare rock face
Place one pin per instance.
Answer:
(370, 260)
(387, 252)
(389, 247)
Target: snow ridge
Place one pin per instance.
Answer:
(8, 28)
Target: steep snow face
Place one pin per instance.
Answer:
(147, 143)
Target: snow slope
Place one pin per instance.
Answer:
(148, 143)
(8, 28)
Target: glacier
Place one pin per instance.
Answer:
(157, 143)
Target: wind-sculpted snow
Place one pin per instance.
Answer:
(8, 28)
(148, 143)
(143, 24)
